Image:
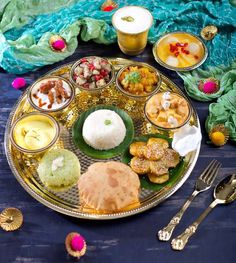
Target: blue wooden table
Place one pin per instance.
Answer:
(128, 240)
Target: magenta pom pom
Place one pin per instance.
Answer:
(59, 44)
(77, 243)
(18, 83)
(209, 86)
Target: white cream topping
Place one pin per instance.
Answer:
(172, 121)
(165, 104)
(57, 163)
(186, 139)
(166, 95)
(132, 19)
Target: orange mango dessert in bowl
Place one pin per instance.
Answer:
(167, 110)
(180, 51)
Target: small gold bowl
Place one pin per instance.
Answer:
(174, 35)
(94, 91)
(160, 100)
(134, 96)
(25, 131)
(35, 86)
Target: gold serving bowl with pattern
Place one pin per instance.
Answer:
(135, 96)
(24, 166)
(57, 110)
(32, 116)
(175, 127)
(96, 90)
(176, 68)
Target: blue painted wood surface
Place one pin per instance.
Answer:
(128, 240)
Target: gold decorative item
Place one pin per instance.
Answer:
(132, 24)
(75, 245)
(11, 219)
(24, 167)
(109, 5)
(209, 32)
(219, 135)
(57, 43)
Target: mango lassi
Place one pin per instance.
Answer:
(132, 24)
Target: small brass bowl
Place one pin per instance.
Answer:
(36, 85)
(169, 128)
(133, 96)
(33, 116)
(165, 65)
(93, 91)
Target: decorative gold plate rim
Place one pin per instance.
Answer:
(61, 207)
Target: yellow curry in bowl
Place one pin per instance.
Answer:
(167, 110)
(34, 132)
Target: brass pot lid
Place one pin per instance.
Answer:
(11, 219)
(209, 32)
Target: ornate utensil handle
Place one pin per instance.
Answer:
(180, 241)
(165, 233)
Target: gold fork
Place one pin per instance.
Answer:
(203, 183)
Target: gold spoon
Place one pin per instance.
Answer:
(224, 193)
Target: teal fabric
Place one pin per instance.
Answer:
(223, 112)
(225, 75)
(26, 26)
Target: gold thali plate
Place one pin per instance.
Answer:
(24, 166)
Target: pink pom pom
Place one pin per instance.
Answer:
(77, 243)
(59, 44)
(210, 87)
(18, 83)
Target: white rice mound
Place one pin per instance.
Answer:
(104, 130)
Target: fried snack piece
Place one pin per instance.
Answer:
(154, 152)
(153, 158)
(138, 149)
(158, 179)
(159, 141)
(158, 168)
(170, 158)
(140, 165)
